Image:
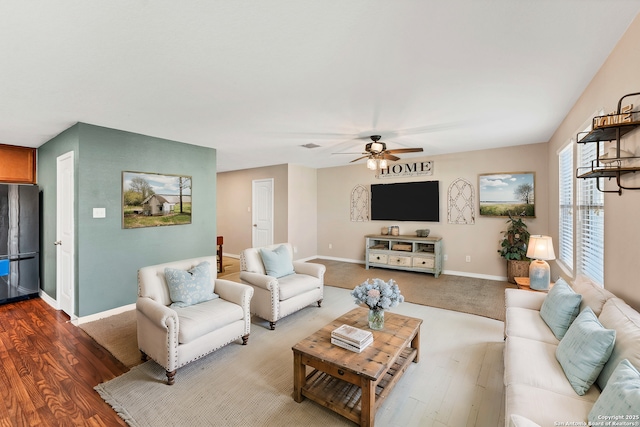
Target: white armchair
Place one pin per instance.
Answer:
(175, 336)
(276, 297)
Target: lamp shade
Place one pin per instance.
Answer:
(540, 247)
(372, 164)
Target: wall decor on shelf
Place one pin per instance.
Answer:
(504, 194)
(461, 204)
(153, 199)
(359, 204)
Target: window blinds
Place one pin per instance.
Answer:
(565, 174)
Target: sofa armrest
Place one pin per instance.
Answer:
(157, 313)
(309, 268)
(524, 299)
(259, 280)
(234, 292)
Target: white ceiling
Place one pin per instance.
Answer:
(257, 79)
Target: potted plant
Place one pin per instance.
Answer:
(513, 248)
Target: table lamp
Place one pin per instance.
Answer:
(540, 249)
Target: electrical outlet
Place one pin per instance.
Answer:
(446, 257)
(468, 259)
(330, 246)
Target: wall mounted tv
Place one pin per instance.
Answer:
(406, 201)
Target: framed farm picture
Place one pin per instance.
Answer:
(153, 199)
(504, 194)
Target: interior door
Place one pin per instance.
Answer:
(65, 243)
(262, 200)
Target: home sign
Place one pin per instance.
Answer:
(613, 118)
(399, 170)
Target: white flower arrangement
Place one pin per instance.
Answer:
(378, 294)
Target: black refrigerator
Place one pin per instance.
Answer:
(19, 242)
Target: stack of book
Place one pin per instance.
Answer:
(351, 338)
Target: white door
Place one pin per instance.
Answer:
(65, 248)
(262, 195)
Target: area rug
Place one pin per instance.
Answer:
(481, 297)
(252, 385)
(118, 335)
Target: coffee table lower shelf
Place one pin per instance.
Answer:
(345, 398)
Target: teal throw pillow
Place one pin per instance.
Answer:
(620, 397)
(584, 350)
(188, 287)
(277, 262)
(560, 308)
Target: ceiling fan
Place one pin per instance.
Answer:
(377, 154)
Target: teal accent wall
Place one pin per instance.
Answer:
(108, 256)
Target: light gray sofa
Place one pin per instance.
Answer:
(536, 386)
(174, 337)
(276, 297)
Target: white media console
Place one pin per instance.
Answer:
(411, 253)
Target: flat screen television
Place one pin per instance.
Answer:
(406, 201)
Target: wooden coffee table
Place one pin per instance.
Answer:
(355, 384)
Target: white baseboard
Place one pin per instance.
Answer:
(103, 314)
(449, 272)
(46, 298)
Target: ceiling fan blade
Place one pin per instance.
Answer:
(406, 150)
(359, 158)
(388, 156)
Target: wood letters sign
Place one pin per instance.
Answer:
(613, 118)
(407, 169)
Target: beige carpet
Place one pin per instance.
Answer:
(465, 294)
(118, 335)
(252, 385)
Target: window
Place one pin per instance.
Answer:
(565, 173)
(581, 214)
(589, 225)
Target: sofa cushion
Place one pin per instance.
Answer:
(593, 295)
(616, 314)
(296, 284)
(527, 323)
(545, 407)
(534, 363)
(188, 287)
(520, 421)
(200, 319)
(584, 349)
(620, 397)
(560, 308)
(277, 262)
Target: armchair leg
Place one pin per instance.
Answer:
(245, 338)
(272, 325)
(171, 377)
(143, 356)
(319, 303)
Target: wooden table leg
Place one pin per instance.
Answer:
(367, 403)
(415, 343)
(299, 377)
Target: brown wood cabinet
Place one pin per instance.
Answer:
(17, 164)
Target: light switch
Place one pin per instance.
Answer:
(99, 212)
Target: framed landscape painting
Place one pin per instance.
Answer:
(153, 199)
(504, 194)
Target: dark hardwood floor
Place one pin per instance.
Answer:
(49, 369)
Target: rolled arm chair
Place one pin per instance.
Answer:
(277, 297)
(173, 337)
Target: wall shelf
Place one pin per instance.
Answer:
(610, 128)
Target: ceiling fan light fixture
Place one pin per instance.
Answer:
(383, 163)
(371, 163)
(376, 147)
